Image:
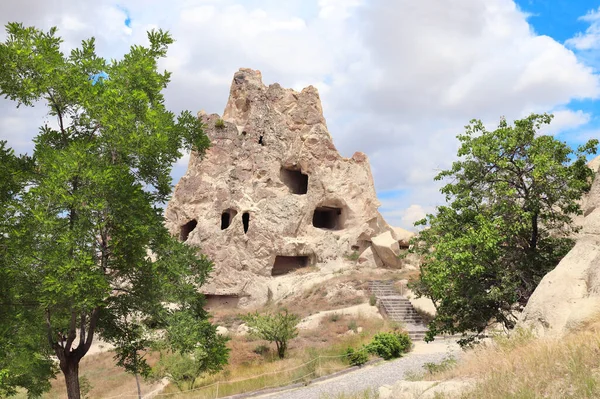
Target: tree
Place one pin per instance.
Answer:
(511, 198)
(22, 364)
(278, 328)
(87, 250)
(180, 365)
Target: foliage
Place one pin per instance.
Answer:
(85, 211)
(23, 360)
(446, 364)
(352, 256)
(219, 123)
(279, 328)
(334, 317)
(183, 369)
(353, 325)
(357, 357)
(261, 349)
(372, 300)
(511, 198)
(389, 345)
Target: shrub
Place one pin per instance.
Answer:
(372, 300)
(357, 357)
(261, 349)
(279, 328)
(220, 124)
(405, 341)
(352, 325)
(352, 256)
(444, 365)
(389, 345)
(334, 317)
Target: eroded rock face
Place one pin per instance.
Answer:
(570, 294)
(272, 194)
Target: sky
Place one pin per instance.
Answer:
(398, 79)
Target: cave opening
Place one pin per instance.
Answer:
(286, 264)
(186, 229)
(226, 217)
(329, 218)
(295, 180)
(246, 221)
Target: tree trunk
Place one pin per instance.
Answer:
(137, 382)
(71, 373)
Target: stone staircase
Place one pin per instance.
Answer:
(397, 308)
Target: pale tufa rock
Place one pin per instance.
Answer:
(569, 295)
(272, 193)
(386, 247)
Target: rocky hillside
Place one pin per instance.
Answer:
(273, 195)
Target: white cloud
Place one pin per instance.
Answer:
(398, 80)
(566, 119)
(589, 40)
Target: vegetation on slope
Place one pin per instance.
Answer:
(524, 366)
(511, 198)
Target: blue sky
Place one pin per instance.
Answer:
(398, 80)
(561, 20)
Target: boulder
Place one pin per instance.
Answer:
(368, 259)
(222, 330)
(385, 246)
(402, 236)
(272, 194)
(569, 295)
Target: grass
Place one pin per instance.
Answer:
(105, 378)
(250, 369)
(524, 367)
(366, 394)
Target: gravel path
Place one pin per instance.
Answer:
(372, 377)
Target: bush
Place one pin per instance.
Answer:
(334, 317)
(372, 300)
(357, 357)
(261, 349)
(279, 328)
(405, 341)
(220, 124)
(444, 365)
(353, 325)
(389, 345)
(352, 256)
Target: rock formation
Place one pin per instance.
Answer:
(570, 294)
(272, 194)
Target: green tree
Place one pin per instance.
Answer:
(87, 252)
(511, 198)
(182, 366)
(279, 328)
(22, 363)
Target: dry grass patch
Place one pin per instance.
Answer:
(104, 377)
(525, 367)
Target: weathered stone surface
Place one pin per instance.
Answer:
(402, 236)
(570, 294)
(274, 174)
(386, 247)
(368, 259)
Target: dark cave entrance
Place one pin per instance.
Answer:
(226, 218)
(186, 229)
(286, 264)
(329, 218)
(246, 221)
(295, 180)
